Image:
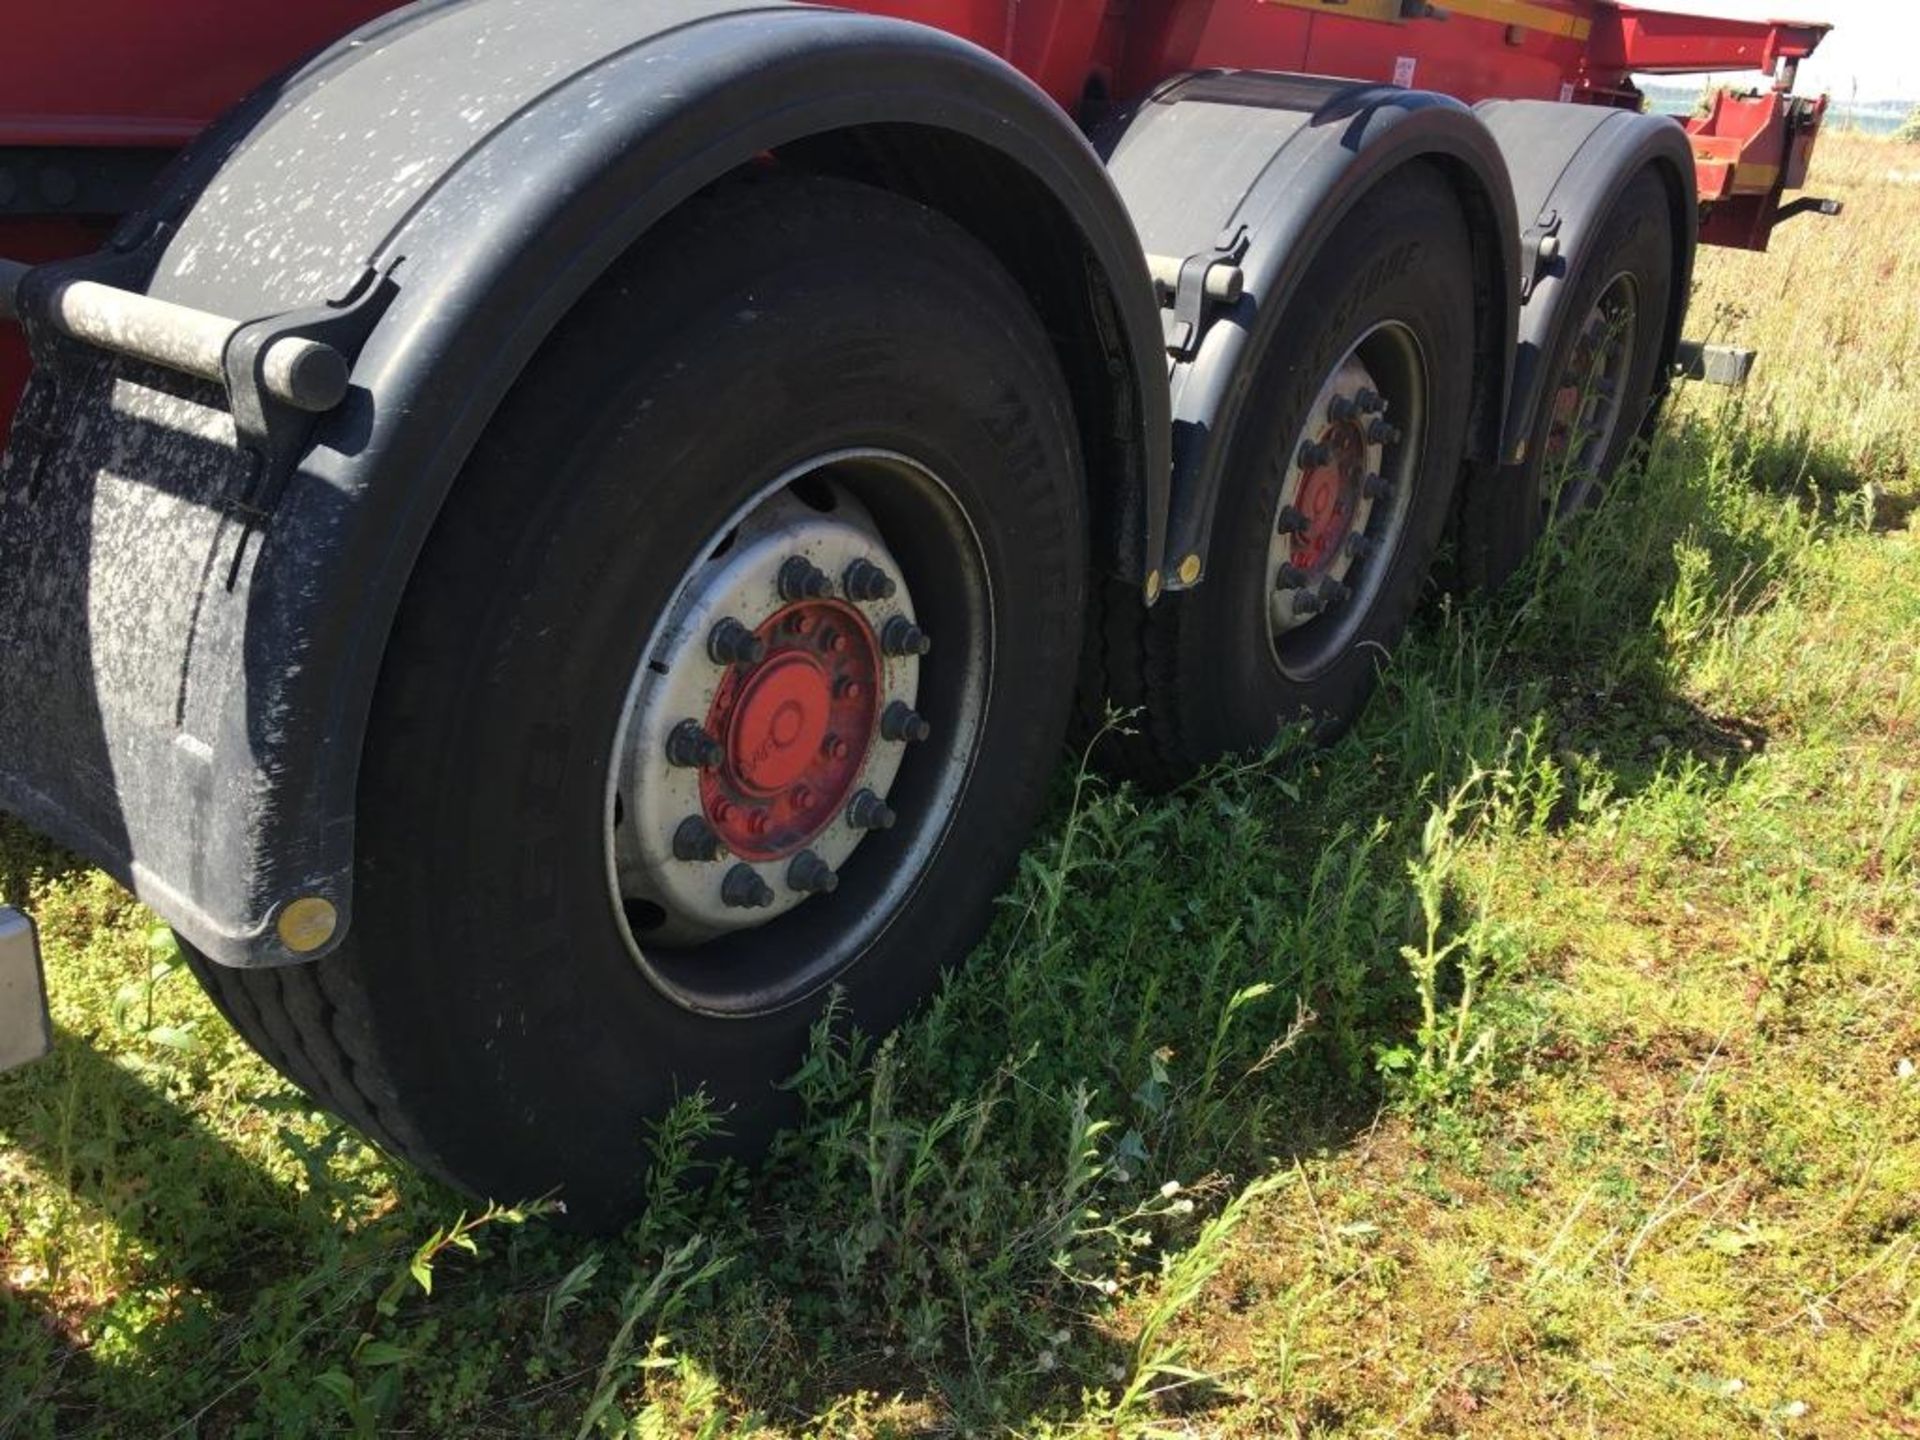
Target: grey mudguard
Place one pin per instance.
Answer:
(1569, 164)
(1259, 169)
(188, 653)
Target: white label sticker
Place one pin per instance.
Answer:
(1403, 70)
(1566, 91)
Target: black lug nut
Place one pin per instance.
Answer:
(864, 580)
(1293, 521)
(1305, 602)
(743, 889)
(1290, 577)
(731, 643)
(1369, 402)
(690, 746)
(899, 722)
(801, 579)
(811, 875)
(1313, 454)
(694, 839)
(1340, 409)
(1332, 592)
(900, 636)
(1379, 432)
(867, 811)
(1377, 487)
(1359, 546)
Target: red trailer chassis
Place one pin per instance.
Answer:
(164, 74)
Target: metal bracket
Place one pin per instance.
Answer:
(273, 428)
(1539, 248)
(1807, 205)
(1188, 288)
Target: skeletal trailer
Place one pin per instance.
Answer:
(548, 535)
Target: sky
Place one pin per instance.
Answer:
(1873, 51)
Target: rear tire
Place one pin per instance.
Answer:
(491, 1014)
(1581, 435)
(1208, 669)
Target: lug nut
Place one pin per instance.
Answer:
(899, 722)
(731, 643)
(1293, 520)
(1377, 487)
(1340, 409)
(694, 839)
(834, 748)
(691, 747)
(1290, 577)
(811, 875)
(1379, 432)
(743, 889)
(864, 580)
(1305, 602)
(900, 636)
(1359, 546)
(846, 689)
(1313, 454)
(1332, 592)
(800, 797)
(1369, 402)
(867, 811)
(801, 579)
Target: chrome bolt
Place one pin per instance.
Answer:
(864, 580)
(1290, 577)
(1293, 521)
(691, 747)
(1312, 455)
(731, 643)
(867, 811)
(801, 579)
(900, 636)
(743, 889)
(899, 722)
(1377, 487)
(694, 839)
(811, 875)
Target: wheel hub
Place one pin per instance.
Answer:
(797, 728)
(766, 725)
(1344, 498)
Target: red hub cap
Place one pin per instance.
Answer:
(795, 728)
(1328, 496)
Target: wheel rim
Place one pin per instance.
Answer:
(790, 751)
(1589, 402)
(1345, 498)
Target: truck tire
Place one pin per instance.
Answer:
(1604, 361)
(732, 674)
(1318, 557)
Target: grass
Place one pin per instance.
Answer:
(1540, 1059)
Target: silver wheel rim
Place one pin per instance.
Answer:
(1588, 403)
(1346, 494)
(684, 914)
